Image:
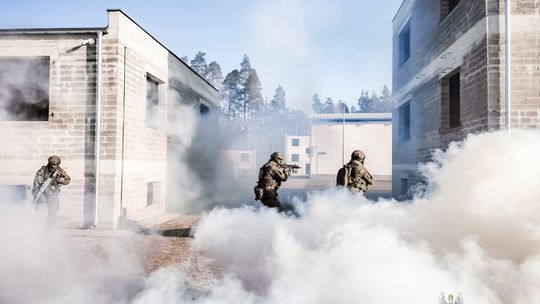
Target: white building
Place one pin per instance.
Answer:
(240, 162)
(296, 153)
(335, 136)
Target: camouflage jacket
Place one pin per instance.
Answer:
(43, 174)
(360, 177)
(271, 175)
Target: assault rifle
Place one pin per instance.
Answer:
(46, 184)
(287, 166)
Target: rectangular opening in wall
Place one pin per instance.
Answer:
(404, 123)
(404, 186)
(404, 44)
(451, 100)
(203, 109)
(152, 102)
(295, 142)
(24, 88)
(455, 100)
(447, 6)
(295, 157)
(152, 192)
(13, 194)
(308, 169)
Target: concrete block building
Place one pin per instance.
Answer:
(101, 99)
(450, 80)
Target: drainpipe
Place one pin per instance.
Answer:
(98, 127)
(507, 60)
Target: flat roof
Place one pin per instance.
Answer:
(352, 117)
(397, 12)
(89, 30)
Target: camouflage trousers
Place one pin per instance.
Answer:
(270, 199)
(53, 205)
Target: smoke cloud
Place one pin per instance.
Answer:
(473, 230)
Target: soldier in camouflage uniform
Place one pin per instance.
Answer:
(271, 175)
(50, 196)
(360, 178)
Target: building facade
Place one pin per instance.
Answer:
(102, 99)
(449, 76)
(297, 153)
(335, 136)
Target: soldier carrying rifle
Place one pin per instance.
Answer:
(46, 187)
(271, 175)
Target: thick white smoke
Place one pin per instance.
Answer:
(475, 232)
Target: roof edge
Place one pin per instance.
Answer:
(168, 50)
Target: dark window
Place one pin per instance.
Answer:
(204, 109)
(405, 44)
(24, 89)
(455, 98)
(244, 157)
(451, 100)
(404, 124)
(152, 102)
(448, 6)
(295, 142)
(308, 169)
(151, 193)
(404, 186)
(13, 194)
(295, 157)
(452, 4)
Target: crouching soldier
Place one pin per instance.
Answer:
(354, 176)
(46, 187)
(271, 175)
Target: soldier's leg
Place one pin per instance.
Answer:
(53, 204)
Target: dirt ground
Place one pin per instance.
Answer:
(165, 245)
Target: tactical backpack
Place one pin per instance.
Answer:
(344, 176)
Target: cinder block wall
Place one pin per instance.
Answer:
(482, 75)
(26, 145)
(436, 35)
(126, 135)
(525, 63)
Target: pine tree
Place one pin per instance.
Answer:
(232, 94)
(374, 103)
(364, 102)
(278, 103)
(198, 64)
(184, 59)
(245, 69)
(342, 107)
(316, 104)
(214, 75)
(353, 109)
(386, 102)
(328, 106)
(252, 93)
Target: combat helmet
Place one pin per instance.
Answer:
(54, 160)
(277, 157)
(359, 155)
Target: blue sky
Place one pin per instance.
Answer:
(333, 48)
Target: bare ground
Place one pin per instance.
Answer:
(167, 245)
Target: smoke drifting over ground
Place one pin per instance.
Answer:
(474, 231)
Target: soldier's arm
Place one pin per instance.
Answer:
(38, 181)
(279, 174)
(367, 176)
(64, 178)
